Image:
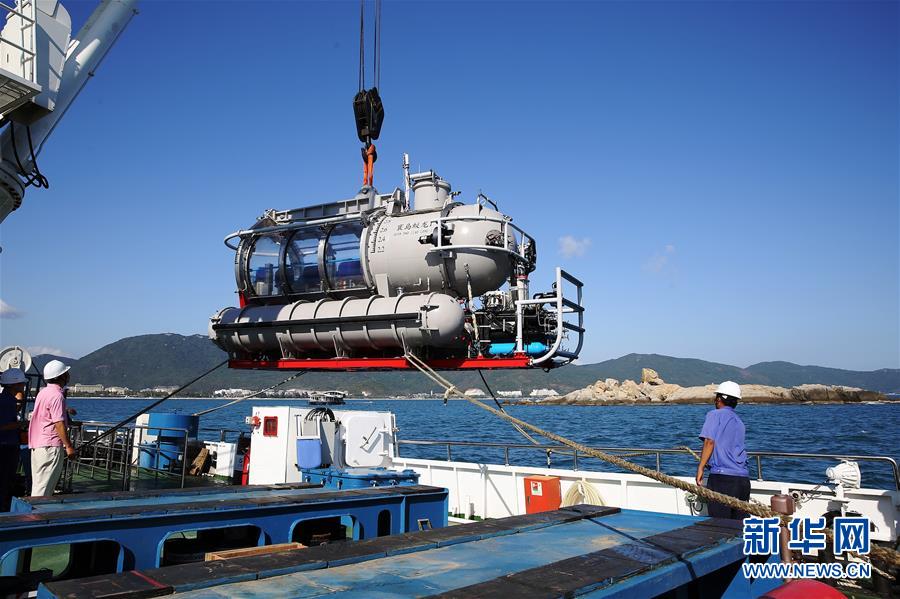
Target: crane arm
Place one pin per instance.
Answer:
(20, 143)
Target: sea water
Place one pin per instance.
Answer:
(848, 429)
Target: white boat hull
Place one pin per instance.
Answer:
(496, 490)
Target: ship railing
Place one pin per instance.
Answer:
(756, 457)
(118, 455)
(106, 458)
(564, 308)
(19, 45)
(224, 432)
(282, 228)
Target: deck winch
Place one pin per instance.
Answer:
(359, 283)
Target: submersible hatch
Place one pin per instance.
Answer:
(358, 284)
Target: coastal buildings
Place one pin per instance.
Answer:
(82, 389)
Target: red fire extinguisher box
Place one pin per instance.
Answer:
(542, 494)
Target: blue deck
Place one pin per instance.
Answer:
(155, 499)
(140, 524)
(444, 569)
(579, 551)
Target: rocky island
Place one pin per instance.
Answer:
(653, 389)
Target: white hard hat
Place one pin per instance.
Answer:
(54, 369)
(729, 388)
(12, 376)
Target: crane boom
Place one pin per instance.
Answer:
(19, 143)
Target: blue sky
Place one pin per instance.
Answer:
(722, 175)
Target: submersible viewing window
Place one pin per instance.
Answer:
(343, 265)
(302, 261)
(263, 266)
(308, 260)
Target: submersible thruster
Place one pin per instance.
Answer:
(359, 283)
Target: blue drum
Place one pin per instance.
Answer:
(167, 452)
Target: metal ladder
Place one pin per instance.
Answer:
(18, 55)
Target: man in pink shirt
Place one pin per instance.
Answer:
(47, 435)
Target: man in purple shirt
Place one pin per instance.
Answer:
(723, 448)
(47, 435)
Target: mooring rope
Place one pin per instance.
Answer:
(500, 407)
(887, 556)
(252, 395)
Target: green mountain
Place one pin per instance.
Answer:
(170, 359)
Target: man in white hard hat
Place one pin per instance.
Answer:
(47, 435)
(723, 448)
(13, 382)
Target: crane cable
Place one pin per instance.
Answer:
(376, 46)
(114, 428)
(888, 557)
(252, 395)
(377, 52)
(362, 42)
(367, 106)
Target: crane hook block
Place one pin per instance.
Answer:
(369, 113)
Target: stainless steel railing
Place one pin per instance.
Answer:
(107, 458)
(224, 432)
(115, 455)
(756, 456)
(24, 16)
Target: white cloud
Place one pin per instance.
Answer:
(37, 350)
(7, 311)
(570, 247)
(658, 262)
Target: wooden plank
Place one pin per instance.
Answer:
(200, 464)
(251, 551)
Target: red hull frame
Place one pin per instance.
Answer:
(363, 364)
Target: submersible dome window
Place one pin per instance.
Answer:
(343, 265)
(263, 266)
(302, 261)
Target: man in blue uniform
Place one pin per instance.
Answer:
(723, 449)
(13, 382)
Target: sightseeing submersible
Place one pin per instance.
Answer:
(363, 282)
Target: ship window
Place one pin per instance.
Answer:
(330, 529)
(342, 261)
(25, 567)
(263, 266)
(302, 261)
(186, 546)
(384, 523)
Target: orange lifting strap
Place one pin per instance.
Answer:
(369, 156)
